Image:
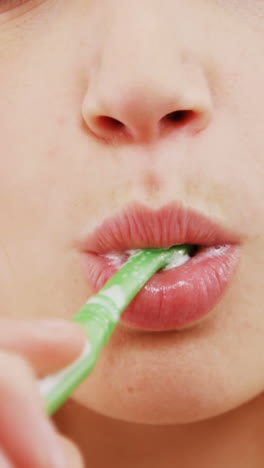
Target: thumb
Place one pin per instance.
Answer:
(49, 345)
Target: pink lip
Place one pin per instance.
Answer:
(178, 297)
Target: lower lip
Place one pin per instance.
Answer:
(174, 298)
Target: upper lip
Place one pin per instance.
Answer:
(138, 226)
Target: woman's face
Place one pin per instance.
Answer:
(85, 88)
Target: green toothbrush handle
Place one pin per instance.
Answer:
(57, 388)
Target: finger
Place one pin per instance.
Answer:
(27, 436)
(72, 454)
(49, 345)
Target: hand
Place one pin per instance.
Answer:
(31, 349)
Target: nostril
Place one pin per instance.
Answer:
(110, 128)
(180, 116)
(109, 123)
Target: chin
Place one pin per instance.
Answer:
(157, 404)
(172, 378)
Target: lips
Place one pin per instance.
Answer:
(177, 297)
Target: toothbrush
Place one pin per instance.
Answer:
(100, 315)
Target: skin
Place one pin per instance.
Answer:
(64, 64)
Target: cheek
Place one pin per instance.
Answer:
(251, 11)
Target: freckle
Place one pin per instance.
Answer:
(130, 389)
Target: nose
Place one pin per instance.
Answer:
(143, 95)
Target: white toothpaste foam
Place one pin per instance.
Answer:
(118, 259)
(115, 259)
(177, 260)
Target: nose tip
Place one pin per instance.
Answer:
(145, 114)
